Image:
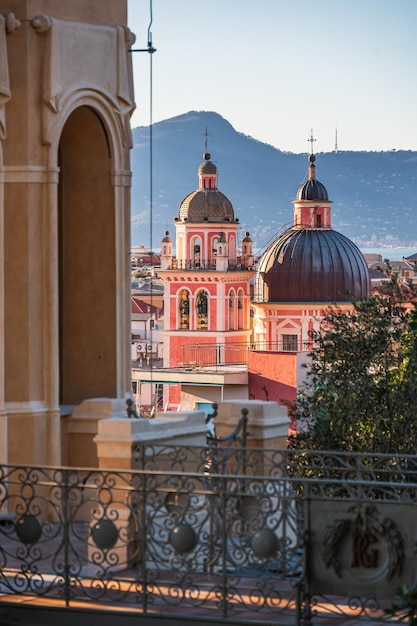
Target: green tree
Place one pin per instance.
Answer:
(360, 393)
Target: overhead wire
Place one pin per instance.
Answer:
(150, 49)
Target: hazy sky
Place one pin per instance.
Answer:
(277, 68)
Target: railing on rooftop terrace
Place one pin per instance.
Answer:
(236, 353)
(232, 533)
(206, 265)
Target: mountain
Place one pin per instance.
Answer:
(373, 193)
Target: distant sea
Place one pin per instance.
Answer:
(392, 254)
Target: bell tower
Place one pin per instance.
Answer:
(207, 282)
(66, 96)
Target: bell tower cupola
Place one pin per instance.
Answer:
(166, 251)
(207, 173)
(312, 204)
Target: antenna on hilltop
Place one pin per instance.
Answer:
(335, 141)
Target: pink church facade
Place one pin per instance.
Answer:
(222, 311)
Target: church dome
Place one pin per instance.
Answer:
(310, 262)
(312, 265)
(208, 166)
(207, 203)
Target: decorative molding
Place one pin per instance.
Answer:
(12, 23)
(130, 37)
(5, 93)
(41, 23)
(367, 528)
(122, 178)
(30, 174)
(28, 409)
(105, 78)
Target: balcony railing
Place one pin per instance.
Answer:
(206, 265)
(236, 353)
(231, 533)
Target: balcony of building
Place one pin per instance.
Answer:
(216, 534)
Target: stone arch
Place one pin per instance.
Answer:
(89, 243)
(106, 108)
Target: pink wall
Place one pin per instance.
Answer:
(272, 374)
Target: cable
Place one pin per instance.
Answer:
(150, 49)
(151, 188)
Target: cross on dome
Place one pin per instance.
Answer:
(206, 135)
(311, 140)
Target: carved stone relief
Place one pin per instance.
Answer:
(366, 548)
(107, 74)
(8, 24)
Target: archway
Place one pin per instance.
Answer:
(86, 246)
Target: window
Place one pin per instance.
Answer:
(289, 343)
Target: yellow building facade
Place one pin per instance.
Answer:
(66, 96)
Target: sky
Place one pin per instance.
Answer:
(275, 69)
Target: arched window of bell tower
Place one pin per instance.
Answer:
(232, 310)
(195, 252)
(214, 247)
(183, 309)
(232, 248)
(202, 309)
(240, 307)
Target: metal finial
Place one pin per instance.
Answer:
(130, 409)
(206, 155)
(311, 140)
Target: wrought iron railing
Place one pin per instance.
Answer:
(241, 540)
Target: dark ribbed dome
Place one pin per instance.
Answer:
(312, 265)
(312, 190)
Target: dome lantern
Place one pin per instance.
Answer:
(207, 203)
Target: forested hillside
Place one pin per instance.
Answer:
(373, 193)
